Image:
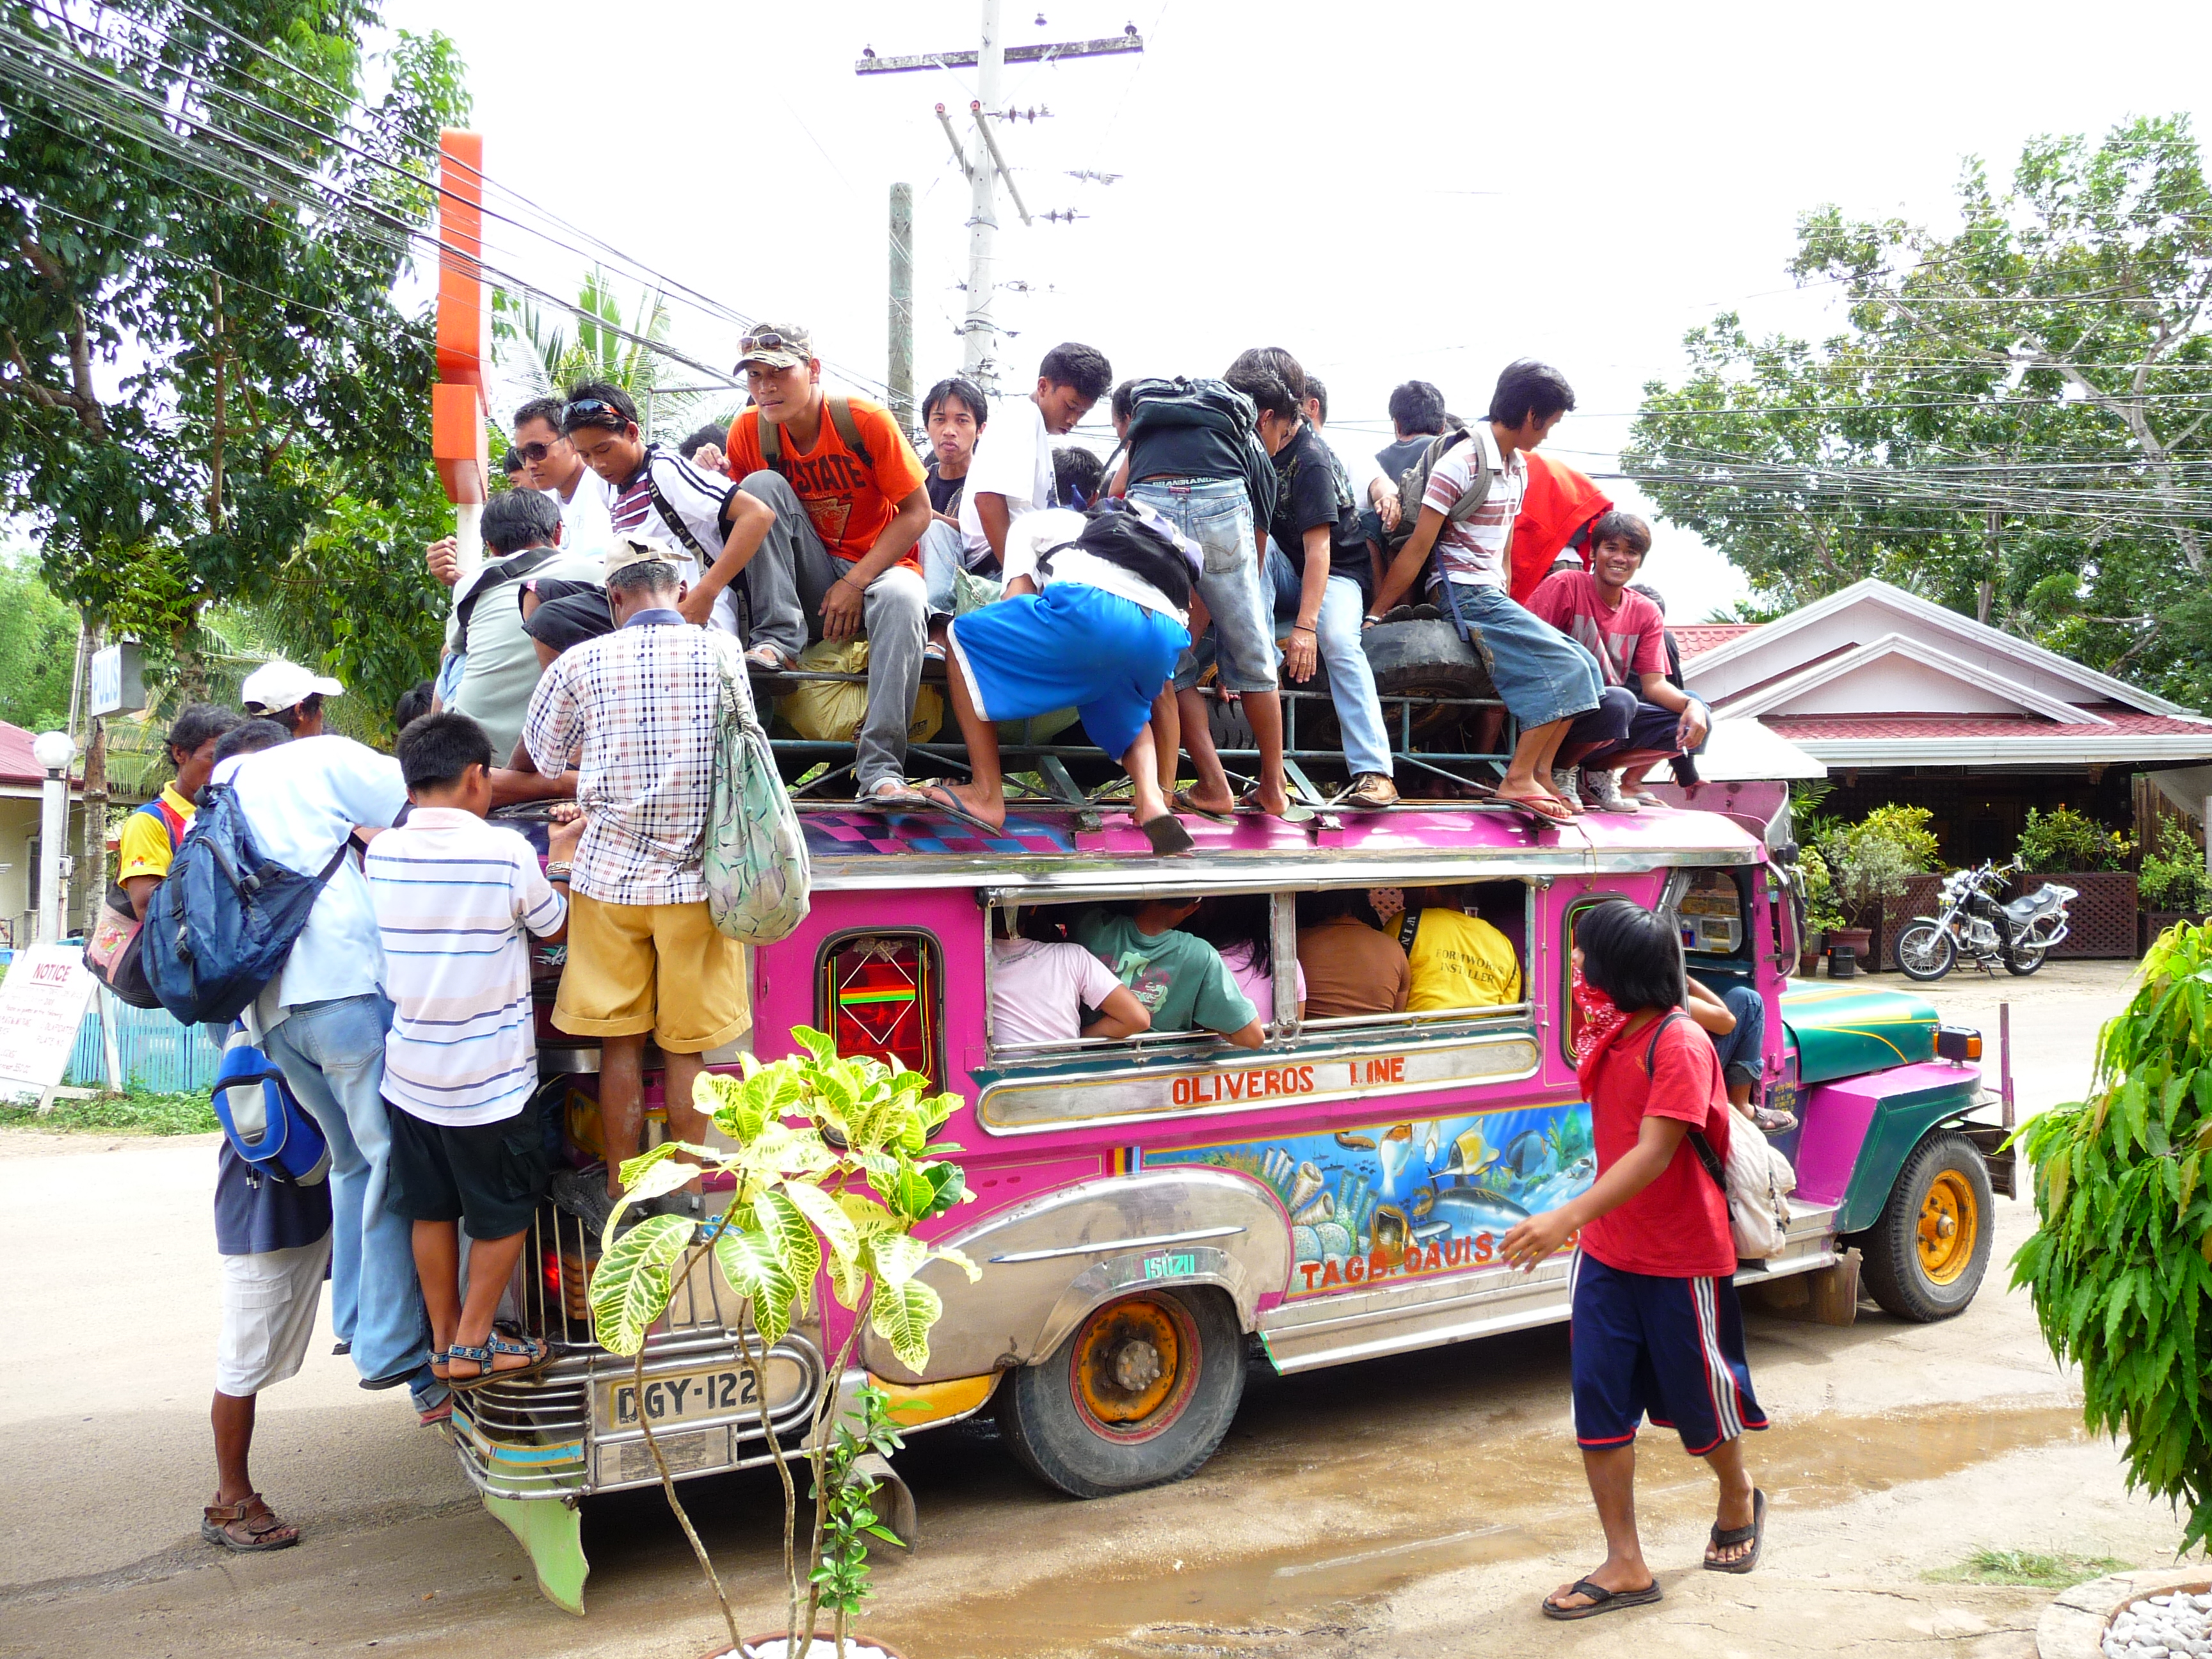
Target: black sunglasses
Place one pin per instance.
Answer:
(533, 453)
(767, 340)
(590, 407)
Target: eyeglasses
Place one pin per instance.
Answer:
(595, 406)
(533, 453)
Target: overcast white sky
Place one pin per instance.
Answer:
(1390, 189)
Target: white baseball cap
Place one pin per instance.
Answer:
(278, 686)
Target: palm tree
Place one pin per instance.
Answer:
(539, 356)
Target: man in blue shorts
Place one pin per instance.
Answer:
(1097, 610)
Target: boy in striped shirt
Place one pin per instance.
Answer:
(454, 896)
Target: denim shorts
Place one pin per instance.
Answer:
(1540, 674)
(1217, 515)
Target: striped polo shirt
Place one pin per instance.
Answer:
(453, 895)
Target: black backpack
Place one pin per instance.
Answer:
(1182, 401)
(1115, 532)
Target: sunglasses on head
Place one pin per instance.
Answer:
(770, 340)
(592, 409)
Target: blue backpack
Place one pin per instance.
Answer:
(219, 927)
(266, 1125)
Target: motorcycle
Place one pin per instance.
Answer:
(1975, 924)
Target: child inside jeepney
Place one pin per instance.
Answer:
(1241, 927)
(1656, 1330)
(1040, 988)
(1180, 979)
(456, 899)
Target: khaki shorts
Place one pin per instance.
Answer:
(269, 1304)
(659, 968)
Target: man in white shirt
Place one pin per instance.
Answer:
(550, 465)
(1544, 679)
(323, 1019)
(1011, 471)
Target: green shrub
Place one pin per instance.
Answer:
(2173, 878)
(2120, 1263)
(1820, 911)
(1868, 861)
(2063, 839)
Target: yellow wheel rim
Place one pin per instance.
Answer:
(1950, 1222)
(1132, 1369)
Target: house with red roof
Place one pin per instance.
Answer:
(22, 781)
(1907, 702)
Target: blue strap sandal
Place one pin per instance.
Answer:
(535, 1355)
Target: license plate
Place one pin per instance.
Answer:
(717, 1391)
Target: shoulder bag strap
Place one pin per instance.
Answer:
(1409, 927)
(674, 520)
(848, 429)
(513, 571)
(771, 444)
(1698, 1144)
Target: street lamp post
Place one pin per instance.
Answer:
(53, 750)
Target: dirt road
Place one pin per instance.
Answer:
(1403, 1507)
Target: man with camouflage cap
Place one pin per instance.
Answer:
(849, 502)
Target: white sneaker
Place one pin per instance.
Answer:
(1562, 783)
(1605, 792)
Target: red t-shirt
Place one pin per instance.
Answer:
(1678, 1226)
(1628, 641)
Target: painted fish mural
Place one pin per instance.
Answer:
(1386, 1201)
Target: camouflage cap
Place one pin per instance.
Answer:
(775, 345)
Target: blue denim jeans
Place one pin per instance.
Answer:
(1343, 648)
(332, 1056)
(1217, 515)
(1540, 674)
(940, 548)
(1742, 1051)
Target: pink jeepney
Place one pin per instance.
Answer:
(1145, 1210)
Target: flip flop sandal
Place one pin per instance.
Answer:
(1546, 806)
(1168, 834)
(936, 798)
(539, 1354)
(905, 797)
(263, 1531)
(1295, 812)
(768, 660)
(1601, 1600)
(1183, 803)
(1754, 1534)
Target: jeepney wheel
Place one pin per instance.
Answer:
(1139, 1394)
(1926, 1255)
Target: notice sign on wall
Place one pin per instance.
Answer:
(42, 1003)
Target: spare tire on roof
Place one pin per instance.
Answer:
(1415, 655)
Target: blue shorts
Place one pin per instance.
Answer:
(1669, 1349)
(1071, 644)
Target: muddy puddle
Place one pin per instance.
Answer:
(1520, 1500)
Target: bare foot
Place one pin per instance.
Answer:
(964, 797)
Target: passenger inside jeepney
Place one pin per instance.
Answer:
(1241, 927)
(1179, 978)
(1040, 988)
(1352, 967)
(1456, 960)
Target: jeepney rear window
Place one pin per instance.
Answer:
(878, 994)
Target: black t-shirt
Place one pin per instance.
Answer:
(1394, 458)
(255, 1214)
(1309, 494)
(943, 493)
(1200, 453)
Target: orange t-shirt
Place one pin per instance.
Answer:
(849, 502)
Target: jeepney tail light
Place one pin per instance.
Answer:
(880, 999)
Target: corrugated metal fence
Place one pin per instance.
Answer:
(157, 1054)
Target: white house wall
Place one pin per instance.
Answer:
(1894, 684)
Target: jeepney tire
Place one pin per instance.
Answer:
(1052, 1434)
(1945, 1174)
(1424, 656)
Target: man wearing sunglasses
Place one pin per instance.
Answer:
(541, 458)
(714, 527)
(849, 501)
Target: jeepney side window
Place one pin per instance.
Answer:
(1016, 977)
(880, 995)
(1570, 1028)
(1459, 972)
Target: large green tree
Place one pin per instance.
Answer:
(207, 390)
(2016, 423)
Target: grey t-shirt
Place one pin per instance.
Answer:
(502, 671)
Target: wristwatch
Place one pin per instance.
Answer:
(557, 872)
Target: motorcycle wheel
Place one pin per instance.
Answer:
(1926, 951)
(2025, 960)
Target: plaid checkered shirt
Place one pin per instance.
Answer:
(637, 709)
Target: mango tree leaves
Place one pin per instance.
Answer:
(634, 1280)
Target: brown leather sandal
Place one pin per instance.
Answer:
(246, 1526)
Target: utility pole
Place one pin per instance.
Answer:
(900, 375)
(984, 165)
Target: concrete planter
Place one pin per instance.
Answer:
(2073, 1626)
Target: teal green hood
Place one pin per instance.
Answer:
(1848, 1030)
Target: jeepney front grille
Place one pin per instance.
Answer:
(552, 1285)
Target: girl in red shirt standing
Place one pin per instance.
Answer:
(1656, 1330)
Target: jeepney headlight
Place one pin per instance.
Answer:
(1958, 1044)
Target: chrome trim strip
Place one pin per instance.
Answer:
(1104, 1245)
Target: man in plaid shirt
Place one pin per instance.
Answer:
(635, 712)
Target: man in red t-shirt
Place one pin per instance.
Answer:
(1627, 635)
(847, 493)
(1656, 1330)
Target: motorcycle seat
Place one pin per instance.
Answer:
(2032, 905)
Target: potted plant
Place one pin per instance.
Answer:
(1869, 862)
(834, 1168)
(1821, 917)
(2120, 1263)
(2069, 847)
(2174, 885)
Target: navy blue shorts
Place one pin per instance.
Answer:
(1669, 1349)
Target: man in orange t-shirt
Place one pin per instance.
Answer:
(848, 494)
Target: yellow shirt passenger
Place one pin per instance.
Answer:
(1458, 960)
(147, 841)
